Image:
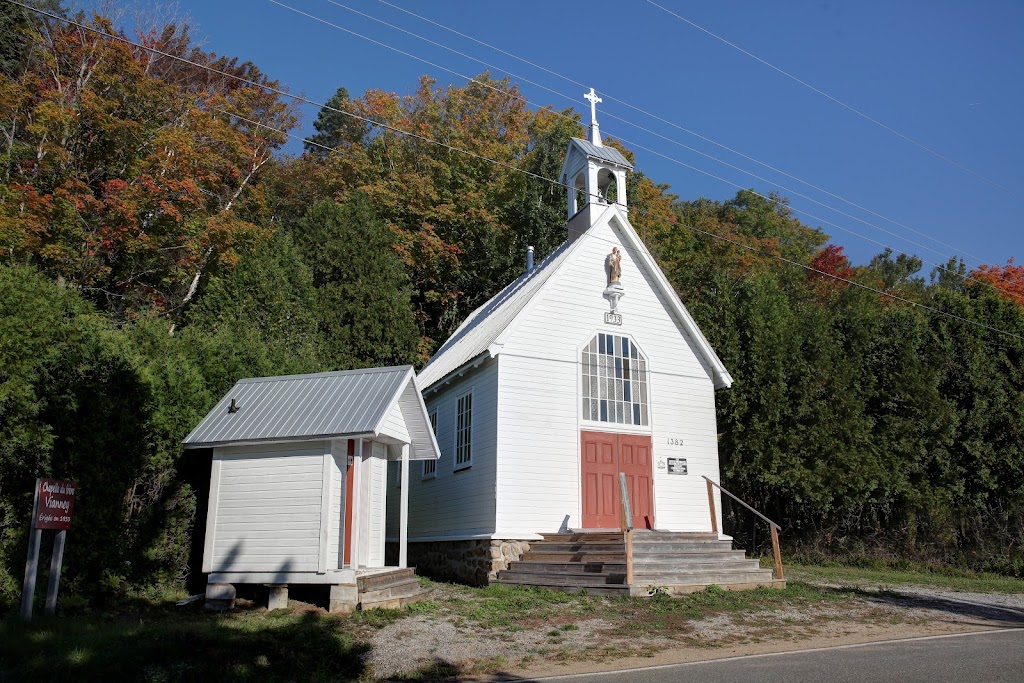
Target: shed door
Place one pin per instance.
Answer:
(349, 472)
(604, 456)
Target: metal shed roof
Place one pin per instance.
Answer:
(292, 407)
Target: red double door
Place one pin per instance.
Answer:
(604, 456)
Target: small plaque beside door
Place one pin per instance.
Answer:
(677, 466)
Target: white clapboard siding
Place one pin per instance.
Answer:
(454, 504)
(335, 528)
(268, 508)
(374, 483)
(538, 467)
(394, 425)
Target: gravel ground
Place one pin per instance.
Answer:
(451, 645)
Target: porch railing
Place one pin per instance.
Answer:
(627, 526)
(775, 528)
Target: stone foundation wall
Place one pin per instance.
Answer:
(474, 562)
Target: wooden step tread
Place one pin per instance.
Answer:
(539, 578)
(407, 587)
(717, 578)
(371, 581)
(607, 589)
(395, 602)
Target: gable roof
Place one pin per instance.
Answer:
(485, 329)
(609, 154)
(349, 403)
(483, 326)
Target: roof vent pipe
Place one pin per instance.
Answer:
(529, 259)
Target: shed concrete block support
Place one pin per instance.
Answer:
(344, 599)
(220, 596)
(278, 596)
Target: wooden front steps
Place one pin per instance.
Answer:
(390, 589)
(670, 562)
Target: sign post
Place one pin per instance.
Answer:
(56, 562)
(52, 506)
(28, 589)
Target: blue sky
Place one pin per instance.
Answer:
(946, 74)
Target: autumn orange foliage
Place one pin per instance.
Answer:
(127, 174)
(1008, 280)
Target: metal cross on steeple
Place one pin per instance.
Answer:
(595, 135)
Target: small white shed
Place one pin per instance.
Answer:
(298, 484)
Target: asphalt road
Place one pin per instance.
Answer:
(964, 658)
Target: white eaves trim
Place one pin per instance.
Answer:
(418, 425)
(722, 378)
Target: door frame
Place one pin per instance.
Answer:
(611, 427)
(651, 521)
(348, 512)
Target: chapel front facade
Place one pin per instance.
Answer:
(586, 366)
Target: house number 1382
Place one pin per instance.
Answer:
(671, 441)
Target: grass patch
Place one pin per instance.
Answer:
(661, 615)
(514, 607)
(953, 579)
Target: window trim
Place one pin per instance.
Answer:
(599, 425)
(456, 465)
(432, 474)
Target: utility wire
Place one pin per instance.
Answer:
(707, 233)
(768, 198)
(481, 157)
(836, 100)
(673, 124)
(639, 127)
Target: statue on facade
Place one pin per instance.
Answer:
(614, 291)
(614, 264)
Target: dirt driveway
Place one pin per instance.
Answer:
(510, 635)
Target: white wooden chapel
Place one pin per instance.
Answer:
(587, 365)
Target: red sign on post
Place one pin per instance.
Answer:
(56, 502)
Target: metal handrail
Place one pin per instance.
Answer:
(775, 528)
(626, 519)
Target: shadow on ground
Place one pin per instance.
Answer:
(441, 669)
(181, 644)
(985, 614)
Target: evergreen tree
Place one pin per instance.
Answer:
(334, 129)
(259, 318)
(363, 301)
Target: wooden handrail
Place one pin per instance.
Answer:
(775, 528)
(626, 519)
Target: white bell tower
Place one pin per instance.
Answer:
(594, 175)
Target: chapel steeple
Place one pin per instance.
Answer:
(595, 132)
(594, 175)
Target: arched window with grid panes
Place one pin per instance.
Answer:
(614, 381)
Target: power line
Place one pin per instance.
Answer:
(836, 100)
(630, 123)
(481, 157)
(707, 233)
(668, 122)
(327, 22)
